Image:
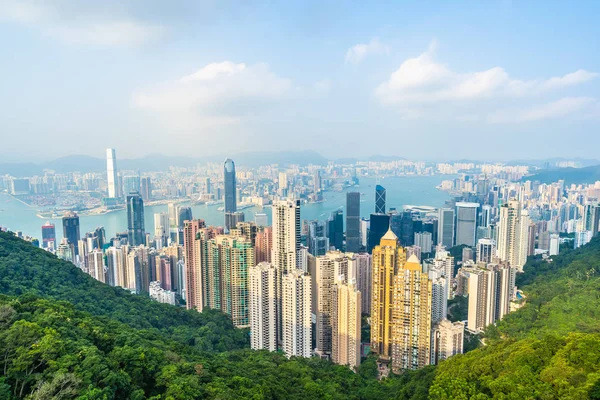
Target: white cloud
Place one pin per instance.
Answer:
(214, 84)
(423, 87)
(75, 26)
(556, 109)
(217, 94)
(423, 80)
(359, 52)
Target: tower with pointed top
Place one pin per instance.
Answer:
(400, 307)
(388, 257)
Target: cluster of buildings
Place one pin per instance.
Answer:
(307, 288)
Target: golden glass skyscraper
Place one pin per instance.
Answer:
(411, 317)
(400, 307)
(388, 257)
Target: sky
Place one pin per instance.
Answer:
(427, 80)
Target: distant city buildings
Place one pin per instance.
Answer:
(302, 286)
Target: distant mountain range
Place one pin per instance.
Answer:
(569, 175)
(158, 162)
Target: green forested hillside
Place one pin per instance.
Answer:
(64, 335)
(62, 332)
(549, 349)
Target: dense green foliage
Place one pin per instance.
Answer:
(25, 269)
(549, 349)
(64, 335)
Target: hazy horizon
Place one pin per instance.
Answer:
(498, 80)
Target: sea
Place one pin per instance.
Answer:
(400, 191)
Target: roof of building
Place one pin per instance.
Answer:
(389, 235)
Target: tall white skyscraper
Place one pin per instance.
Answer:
(286, 234)
(286, 243)
(439, 296)
(513, 234)
(111, 173)
(554, 244)
(296, 315)
(482, 299)
(262, 295)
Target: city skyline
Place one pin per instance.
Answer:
(513, 73)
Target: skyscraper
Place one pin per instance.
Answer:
(230, 189)
(466, 223)
(513, 229)
(161, 229)
(262, 296)
(146, 188)
(447, 340)
(131, 184)
(329, 268)
(136, 233)
(346, 324)
(111, 173)
(379, 225)
(335, 230)
(70, 223)
(232, 219)
(286, 243)
(286, 234)
(379, 199)
(49, 236)
(296, 315)
(264, 244)
(591, 216)
(193, 265)
(486, 250)
(353, 222)
(446, 227)
(388, 257)
(229, 258)
(183, 214)
(364, 278)
(411, 327)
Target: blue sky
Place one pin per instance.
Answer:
(424, 80)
